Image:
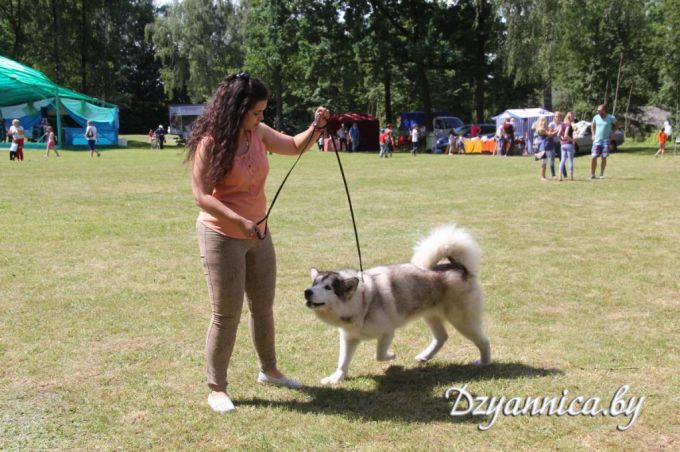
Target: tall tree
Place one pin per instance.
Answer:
(198, 43)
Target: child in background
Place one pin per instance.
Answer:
(662, 137)
(51, 142)
(460, 144)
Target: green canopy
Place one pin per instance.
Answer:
(20, 84)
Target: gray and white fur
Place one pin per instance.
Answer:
(438, 285)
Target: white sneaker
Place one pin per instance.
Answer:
(220, 404)
(283, 381)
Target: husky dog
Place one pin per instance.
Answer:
(438, 285)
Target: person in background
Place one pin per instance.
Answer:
(499, 139)
(528, 137)
(460, 144)
(227, 148)
(555, 126)
(662, 138)
(91, 137)
(319, 142)
(51, 142)
(342, 138)
(452, 142)
(383, 144)
(474, 130)
(18, 135)
(415, 136)
(668, 129)
(3, 130)
(546, 145)
(159, 133)
(566, 136)
(508, 137)
(354, 136)
(389, 140)
(602, 127)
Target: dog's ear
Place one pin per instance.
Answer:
(349, 287)
(313, 272)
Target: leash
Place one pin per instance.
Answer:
(349, 199)
(351, 211)
(271, 206)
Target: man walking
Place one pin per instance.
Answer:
(601, 128)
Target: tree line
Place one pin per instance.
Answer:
(473, 58)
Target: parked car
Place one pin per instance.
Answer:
(487, 130)
(441, 127)
(583, 138)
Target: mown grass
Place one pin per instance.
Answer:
(103, 306)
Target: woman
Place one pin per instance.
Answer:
(546, 147)
(227, 147)
(567, 149)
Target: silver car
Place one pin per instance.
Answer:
(583, 142)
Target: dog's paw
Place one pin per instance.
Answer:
(333, 379)
(480, 363)
(422, 357)
(389, 356)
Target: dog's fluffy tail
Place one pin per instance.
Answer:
(451, 242)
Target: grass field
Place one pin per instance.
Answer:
(103, 305)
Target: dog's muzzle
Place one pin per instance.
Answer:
(308, 296)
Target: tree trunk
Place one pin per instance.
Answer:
(278, 96)
(547, 95)
(618, 82)
(83, 47)
(387, 82)
(625, 123)
(479, 97)
(55, 42)
(606, 90)
(16, 25)
(425, 95)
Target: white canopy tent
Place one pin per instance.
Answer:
(524, 119)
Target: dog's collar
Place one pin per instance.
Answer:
(364, 308)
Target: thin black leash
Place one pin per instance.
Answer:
(349, 199)
(271, 206)
(351, 211)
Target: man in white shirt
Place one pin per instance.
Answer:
(668, 129)
(91, 137)
(415, 136)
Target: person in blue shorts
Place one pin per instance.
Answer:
(601, 128)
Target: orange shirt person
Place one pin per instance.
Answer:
(227, 148)
(662, 137)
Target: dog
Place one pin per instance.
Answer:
(439, 284)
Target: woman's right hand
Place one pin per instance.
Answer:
(249, 228)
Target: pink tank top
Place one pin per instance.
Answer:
(242, 190)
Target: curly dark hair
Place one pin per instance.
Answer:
(221, 121)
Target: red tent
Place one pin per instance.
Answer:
(369, 128)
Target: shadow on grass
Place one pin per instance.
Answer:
(404, 394)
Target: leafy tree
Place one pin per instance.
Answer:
(198, 43)
(666, 54)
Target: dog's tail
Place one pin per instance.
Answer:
(450, 242)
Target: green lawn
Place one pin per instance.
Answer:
(103, 305)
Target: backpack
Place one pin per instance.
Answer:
(89, 133)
